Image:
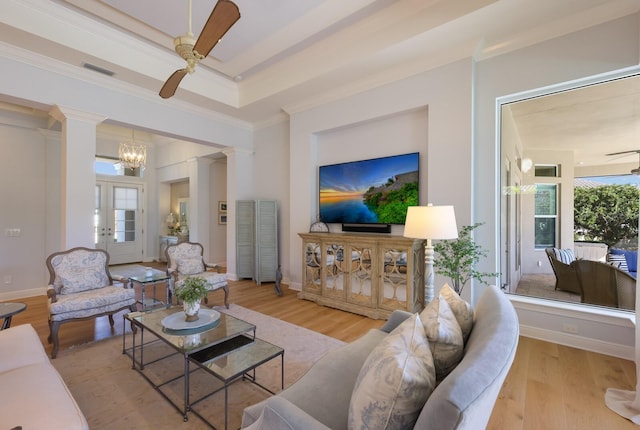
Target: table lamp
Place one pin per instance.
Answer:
(430, 223)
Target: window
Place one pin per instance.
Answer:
(546, 170)
(546, 215)
(112, 166)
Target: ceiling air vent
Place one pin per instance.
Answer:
(98, 69)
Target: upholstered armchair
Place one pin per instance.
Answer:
(80, 288)
(185, 259)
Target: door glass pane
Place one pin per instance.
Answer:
(96, 215)
(125, 210)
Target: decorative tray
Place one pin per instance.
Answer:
(177, 321)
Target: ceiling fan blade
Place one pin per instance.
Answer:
(222, 18)
(169, 88)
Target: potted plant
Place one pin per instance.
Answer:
(456, 258)
(192, 290)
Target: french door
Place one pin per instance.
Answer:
(118, 221)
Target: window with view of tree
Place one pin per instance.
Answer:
(546, 215)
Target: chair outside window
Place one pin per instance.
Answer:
(566, 277)
(186, 259)
(80, 288)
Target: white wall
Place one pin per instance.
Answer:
(217, 232)
(23, 195)
(271, 181)
(435, 108)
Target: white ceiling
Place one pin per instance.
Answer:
(592, 121)
(287, 55)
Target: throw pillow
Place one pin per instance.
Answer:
(461, 309)
(78, 279)
(565, 256)
(444, 334)
(619, 261)
(190, 266)
(395, 381)
(631, 258)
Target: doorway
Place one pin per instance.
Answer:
(118, 220)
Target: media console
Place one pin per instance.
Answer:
(367, 274)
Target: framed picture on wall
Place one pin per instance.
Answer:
(222, 218)
(222, 208)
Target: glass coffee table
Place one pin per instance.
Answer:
(226, 348)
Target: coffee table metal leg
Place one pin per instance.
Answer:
(186, 387)
(141, 348)
(282, 370)
(226, 405)
(133, 351)
(7, 322)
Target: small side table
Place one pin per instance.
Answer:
(8, 310)
(144, 280)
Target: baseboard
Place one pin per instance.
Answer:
(33, 292)
(580, 342)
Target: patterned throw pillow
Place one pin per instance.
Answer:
(78, 279)
(395, 381)
(565, 256)
(630, 259)
(619, 261)
(190, 266)
(461, 309)
(444, 334)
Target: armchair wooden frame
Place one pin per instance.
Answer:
(52, 295)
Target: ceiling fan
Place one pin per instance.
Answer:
(635, 171)
(224, 15)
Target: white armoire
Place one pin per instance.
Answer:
(257, 240)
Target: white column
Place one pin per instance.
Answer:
(77, 195)
(199, 196)
(239, 187)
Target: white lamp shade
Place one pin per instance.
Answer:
(431, 222)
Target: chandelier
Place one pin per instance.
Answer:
(131, 155)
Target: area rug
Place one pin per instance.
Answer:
(114, 396)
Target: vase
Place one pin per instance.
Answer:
(191, 310)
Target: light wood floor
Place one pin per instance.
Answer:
(549, 386)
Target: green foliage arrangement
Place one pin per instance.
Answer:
(608, 213)
(193, 288)
(456, 258)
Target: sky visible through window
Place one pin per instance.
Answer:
(615, 179)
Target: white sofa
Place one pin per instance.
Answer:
(33, 394)
(463, 400)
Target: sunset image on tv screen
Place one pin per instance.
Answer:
(376, 191)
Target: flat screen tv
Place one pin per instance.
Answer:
(375, 191)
